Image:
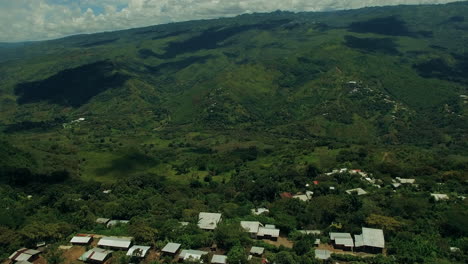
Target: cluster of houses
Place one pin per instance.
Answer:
(24, 256)
(257, 230)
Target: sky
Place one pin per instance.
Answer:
(26, 20)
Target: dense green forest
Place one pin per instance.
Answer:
(225, 115)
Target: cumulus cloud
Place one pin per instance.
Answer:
(23, 20)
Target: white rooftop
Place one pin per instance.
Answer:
(112, 223)
(347, 242)
(372, 237)
(310, 232)
(439, 196)
(260, 211)
(219, 259)
(171, 248)
(115, 242)
(251, 226)
(264, 231)
(359, 191)
(208, 221)
(257, 250)
(23, 254)
(81, 239)
(322, 254)
(183, 254)
(335, 235)
(102, 220)
(96, 254)
(138, 251)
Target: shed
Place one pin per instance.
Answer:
(96, 255)
(439, 196)
(103, 221)
(208, 221)
(190, 253)
(257, 251)
(112, 223)
(358, 191)
(24, 254)
(322, 254)
(115, 242)
(138, 251)
(219, 259)
(171, 248)
(251, 226)
(81, 239)
(260, 211)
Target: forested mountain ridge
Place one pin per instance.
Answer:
(276, 98)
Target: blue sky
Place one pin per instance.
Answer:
(24, 20)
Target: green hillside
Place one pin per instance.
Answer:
(274, 97)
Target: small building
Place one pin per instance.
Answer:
(112, 223)
(96, 255)
(81, 239)
(304, 197)
(24, 254)
(219, 259)
(310, 232)
(208, 221)
(406, 181)
(371, 240)
(358, 191)
(102, 221)
(260, 211)
(317, 242)
(342, 241)
(190, 254)
(322, 254)
(115, 242)
(268, 232)
(251, 227)
(440, 196)
(171, 249)
(138, 251)
(257, 251)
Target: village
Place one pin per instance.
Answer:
(95, 248)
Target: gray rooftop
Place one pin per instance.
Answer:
(116, 242)
(219, 259)
(250, 226)
(208, 221)
(257, 250)
(322, 254)
(171, 248)
(373, 237)
(138, 251)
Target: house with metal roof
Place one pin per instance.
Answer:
(208, 221)
(310, 232)
(171, 249)
(24, 254)
(322, 254)
(189, 254)
(96, 255)
(115, 242)
(257, 251)
(358, 191)
(260, 211)
(138, 251)
(251, 227)
(102, 221)
(268, 232)
(219, 259)
(342, 241)
(112, 223)
(81, 239)
(440, 196)
(371, 240)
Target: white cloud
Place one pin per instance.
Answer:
(22, 20)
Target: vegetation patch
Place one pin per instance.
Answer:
(383, 45)
(391, 26)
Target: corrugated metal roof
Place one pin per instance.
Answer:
(335, 235)
(373, 237)
(23, 254)
(116, 242)
(219, 259)
(96, 254)
(112, 223)
(263, 231)
(102, 220)
(347, 242)
(359, 191)
(138, 251)
(171, 248)
(250, 226)
(257, 250)
(208, 221)
(80, 239)
(358, 241)
(310, 232)
(322, 254)
(184, 252)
